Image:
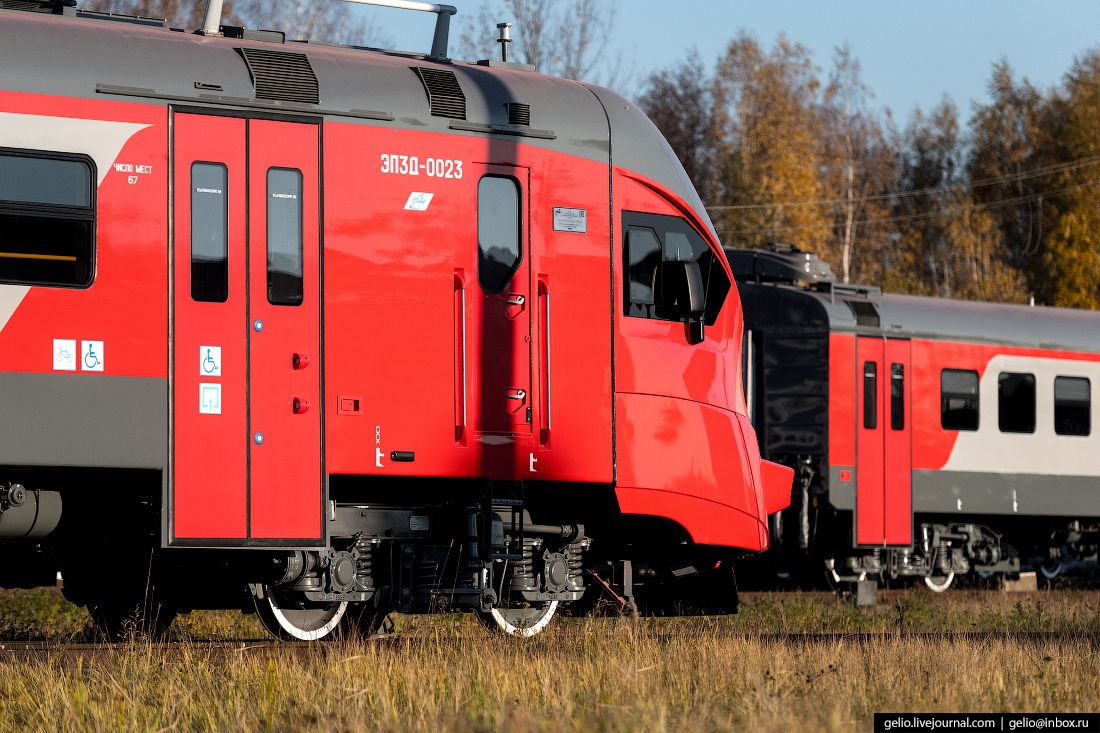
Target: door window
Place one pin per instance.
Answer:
(652, 239)
(285, 276)
(870, 395)
(209, 232)
(1016, 402)
(1072, 406)
(897, 397)
(47, 219)
(498, 232)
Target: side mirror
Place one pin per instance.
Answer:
(682, 295)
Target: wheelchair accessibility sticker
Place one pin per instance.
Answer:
(210, 361)
(91, 356)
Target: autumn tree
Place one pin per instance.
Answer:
(679, 102)
(566, 38)
(768, 150)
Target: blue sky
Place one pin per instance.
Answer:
(912, 53)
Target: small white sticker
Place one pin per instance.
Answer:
(91, 356)
(570, 220)
(210, 361)
(418, 523)
(418, 201)
(210, 399)
(64, 355)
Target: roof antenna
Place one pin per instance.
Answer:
(212, 22)
(442, 21)
(505, 38)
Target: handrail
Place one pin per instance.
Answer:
(442, 21)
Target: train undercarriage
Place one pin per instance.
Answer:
(514, 561)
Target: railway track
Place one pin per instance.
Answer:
(22, 648)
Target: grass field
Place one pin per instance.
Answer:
(594, 674)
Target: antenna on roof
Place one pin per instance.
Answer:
(442, 21)
(212, 21)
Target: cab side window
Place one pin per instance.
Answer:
(650, 240)
(47, 219)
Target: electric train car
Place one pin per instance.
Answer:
(930, 437)
(330, 332)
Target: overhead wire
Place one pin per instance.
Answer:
(986, 206)
(980, 183)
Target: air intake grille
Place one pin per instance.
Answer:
(518, 113)
(27, 5)
(866, 314)
(281, 75)
(444, 94)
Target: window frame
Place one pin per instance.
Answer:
(89, 214)
(191, 244)
(301, 233)
(1001, 398)
(631, 219)
(977, 397)
(519, 232)
(1087, 404)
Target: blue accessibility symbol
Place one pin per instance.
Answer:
(208, 364)
(91, 360)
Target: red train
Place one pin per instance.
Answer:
(338, 332)
(930, 437)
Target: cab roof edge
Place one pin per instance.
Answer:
(211, 25)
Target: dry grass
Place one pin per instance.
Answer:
(447, 674)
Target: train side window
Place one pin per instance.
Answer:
(285, 272)
(1072, 406)
(209, 232)
(498, 232)
(651, 239)
(870, 395)
(897, 396)
(47, 219)
(1016, 402)
(959, 399)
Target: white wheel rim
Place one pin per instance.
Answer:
(512, 630)
(1052, 573)
(287, 625)
(940, 588)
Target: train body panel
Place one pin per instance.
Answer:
(315, 301)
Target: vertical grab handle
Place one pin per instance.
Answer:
(460, 356)
(545, 414)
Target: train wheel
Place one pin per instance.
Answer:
(940, 583)
(1051, 569)
(525, 620)
(298, 620)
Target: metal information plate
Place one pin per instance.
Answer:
(570, 220)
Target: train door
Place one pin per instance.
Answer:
(883, 458)
(246, 453)
(498, 318)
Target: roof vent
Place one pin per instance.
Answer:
(780, 263)
(865, 312)
(518, 113)
(444, 94)
(282, 75)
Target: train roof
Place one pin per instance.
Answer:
(95, 57)
(868, 311)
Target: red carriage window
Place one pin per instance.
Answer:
(285, 276)
(959, 399)
(47, 219)
(209, 232)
